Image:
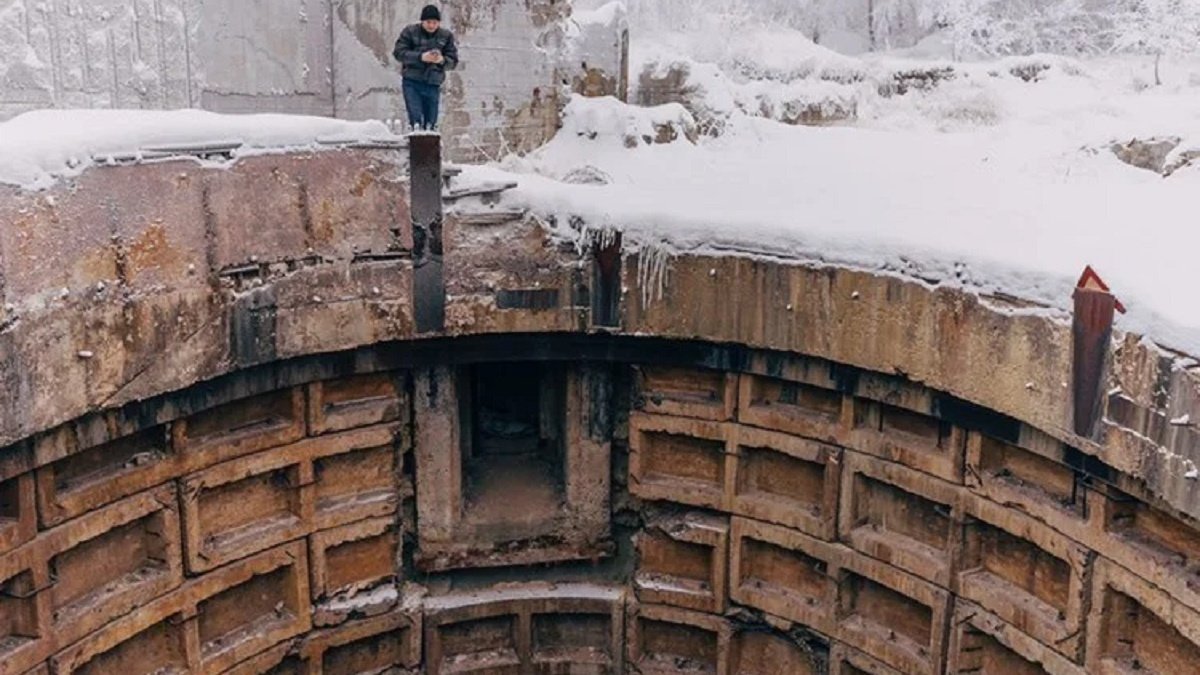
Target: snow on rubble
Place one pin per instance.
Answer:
(997, 177)
(38, 148)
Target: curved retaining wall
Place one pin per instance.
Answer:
(227, 450)
(771, 516)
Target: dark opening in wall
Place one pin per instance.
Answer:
(513, 442)
(10, 503)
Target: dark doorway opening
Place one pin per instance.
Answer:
(514, 428)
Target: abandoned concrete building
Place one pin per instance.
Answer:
(331, 412)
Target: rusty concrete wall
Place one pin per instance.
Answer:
(237, 285)
(772, 513)
(176, 340)
(521, 58)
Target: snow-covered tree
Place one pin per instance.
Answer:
(1008, 27)
(1160, 28)
(976, 28)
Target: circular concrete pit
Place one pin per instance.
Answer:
(244, 456)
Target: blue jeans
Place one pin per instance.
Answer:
(422, 100)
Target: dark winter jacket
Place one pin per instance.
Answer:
(414, 42)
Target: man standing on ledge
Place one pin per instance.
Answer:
(427, 51)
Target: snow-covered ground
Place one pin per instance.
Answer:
(993, 179)
(996, 176)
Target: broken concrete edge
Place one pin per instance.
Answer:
(196, 273)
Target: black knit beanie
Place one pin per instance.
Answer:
(431, 13)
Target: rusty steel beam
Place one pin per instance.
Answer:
(1091, 333)
(429, 282)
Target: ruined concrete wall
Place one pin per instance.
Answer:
(779, 514)
(217, 412)
(237, 289)
(317, 57)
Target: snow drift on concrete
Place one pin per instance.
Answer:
(38, 148)
(1018, 208)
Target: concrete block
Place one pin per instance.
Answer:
(352, 207)
(91, 478)
(672, 640)
(784, 573)
(356, 474)
(1135, 627)
(246, 505)
(354, 569)
(687, 392)
(686, 461)
(258, 210)
(981, 642)
(1037, 482)
(46, 253)
(18, 511)
(152, 640)
(372, 645)
(281, 659)
(797, 408)
(787, 480)
(916, 440)
(352, 402)
(891, 615)
(112, 561)
(900, 516)
(491, 291)
(762, 652)
(26, 635)
(360, 303)
(1155, 545)
(157, 211)
(244, 608)
(240, 428)
(683, 561)
(526, 628)
(846, 660)
(1027, 574)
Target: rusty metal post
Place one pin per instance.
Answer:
(1091, 332)
(425, 188)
